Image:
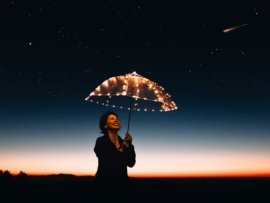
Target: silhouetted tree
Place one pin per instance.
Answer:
(6, 179)
(7, 176)
(21, 177)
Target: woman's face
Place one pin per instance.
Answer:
(113, 122)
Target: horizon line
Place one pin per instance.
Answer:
(267, 175)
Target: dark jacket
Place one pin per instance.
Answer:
(112, 164)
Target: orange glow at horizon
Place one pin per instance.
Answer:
(224, 174)
(157, 164)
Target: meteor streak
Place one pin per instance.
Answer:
(233, 28)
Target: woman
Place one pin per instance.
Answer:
(114, 153)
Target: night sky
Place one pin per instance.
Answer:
(53, 54)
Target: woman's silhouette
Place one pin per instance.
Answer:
(114, 155)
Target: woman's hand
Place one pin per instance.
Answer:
(127, 140)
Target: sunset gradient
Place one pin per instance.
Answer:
(54, 55)
(187, 154)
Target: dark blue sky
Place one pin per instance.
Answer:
(54, 54)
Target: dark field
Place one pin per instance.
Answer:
(68, 188)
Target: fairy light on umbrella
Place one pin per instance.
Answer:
(145, 94)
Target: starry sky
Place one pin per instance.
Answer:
(53, 54)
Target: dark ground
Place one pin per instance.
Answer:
(68, 188)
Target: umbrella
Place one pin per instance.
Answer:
(144, 94)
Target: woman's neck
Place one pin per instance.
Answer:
(113, 136)
(112, 132)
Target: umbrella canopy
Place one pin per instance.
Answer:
(148, 95)
(144, 94)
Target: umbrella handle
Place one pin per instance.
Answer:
(129, 113)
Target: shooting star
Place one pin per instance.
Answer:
(233, 28)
